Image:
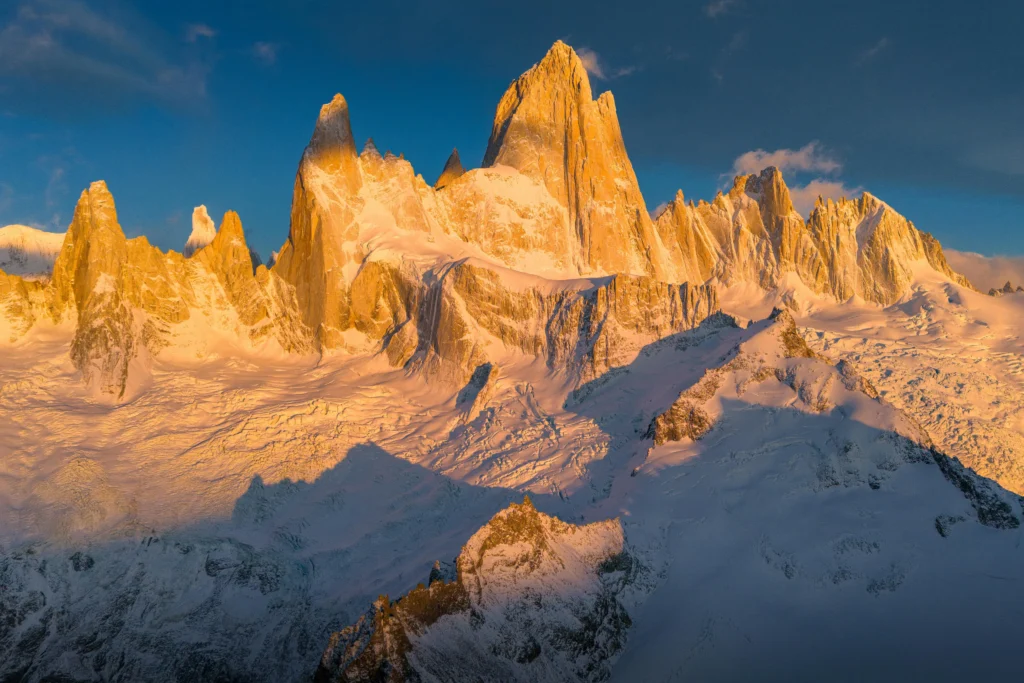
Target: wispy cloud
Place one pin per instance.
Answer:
(591, 62)
(716, 8)
(66, 46)
(870, 53)
(986, 272)
(265, 53)
(596, 67)
(809, 158)
(194, 32)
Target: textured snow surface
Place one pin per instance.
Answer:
(278, 450)
(222, 524)
(28, 252)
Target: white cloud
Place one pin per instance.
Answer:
(596, 67)
(658, 210)
(718, 7)
(265, 53)
(872, 52)
(986, 272)
(194, 32)
(809, 158)
(591, 62)
(805, 196)
(67, 45)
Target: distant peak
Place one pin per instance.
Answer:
(231, 225)
(452, 170)
(370, 149)
(332, 147)
(333, 131)
(771, 191)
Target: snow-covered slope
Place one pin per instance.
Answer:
(257, 454)
(313, 488)
(28, 252)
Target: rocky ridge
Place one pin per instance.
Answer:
(776, 352)
(847, 248)
(547, 250)
(529, 598)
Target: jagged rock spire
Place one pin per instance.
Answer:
(332, 147)
(452, 170)
(771, 192)
(230, 259)
(549, 127)
(87, 277)
(370, 149)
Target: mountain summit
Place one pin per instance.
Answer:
(546, 251)
(452, 170)
(549, 127)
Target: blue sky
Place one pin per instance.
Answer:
(177, 104)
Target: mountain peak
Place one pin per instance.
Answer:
(203, 231)
(452, 170)
(370, 149)
(771, 191)
(549, 128)
(332, 146)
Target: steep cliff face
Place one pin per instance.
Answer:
(88, 283)
(228, 257)
(472, 315)
(870, 250)
(22, 303)
(547, 251)
(549, 127)
(322, 255)
(753, 234)
(532, 598)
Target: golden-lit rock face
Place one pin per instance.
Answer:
(549, 128)
(579, 331)
(869, 249)
(753, 234)
(546, 251)
(129, 300)
(452, 170)
(21, 304)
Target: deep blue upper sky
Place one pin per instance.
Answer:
(177, 104)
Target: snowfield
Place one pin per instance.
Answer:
(509, 429)
(224, 523)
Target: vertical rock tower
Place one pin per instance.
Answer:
(549, 127)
